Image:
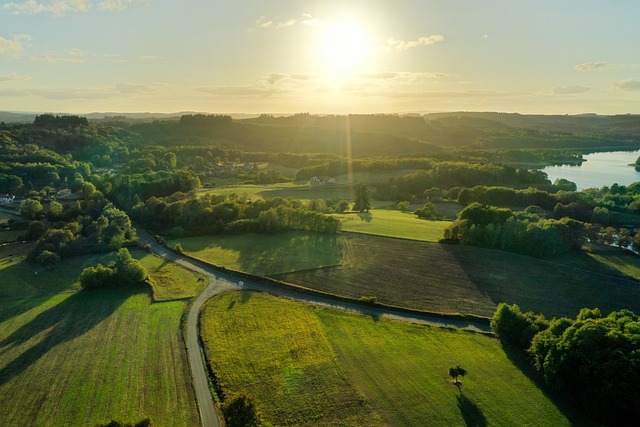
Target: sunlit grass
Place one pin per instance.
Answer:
(71, 357)
(393, 223)
(295, 359)
(265, 254)
(277, 351)
(170, 281)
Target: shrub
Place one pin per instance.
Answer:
(240, 410)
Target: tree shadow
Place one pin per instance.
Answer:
(365, 216)
(63, 322)
(472, 414)
(568, 408)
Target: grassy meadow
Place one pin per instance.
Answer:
(311, 366)
(393, 223)
(170, 281)
(265, 254)
(74, 357)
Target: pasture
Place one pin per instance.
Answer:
(393, 223)
(265, 254)
(170, 281)
(71, 357)
(468, 280)
(311, 366)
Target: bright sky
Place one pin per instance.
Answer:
(320, 56)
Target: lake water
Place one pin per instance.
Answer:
(600, 169)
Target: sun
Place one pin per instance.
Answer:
(345, 46)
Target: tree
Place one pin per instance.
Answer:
(31, 208)
(55, 210)
(515, 327)
(362, 199)
(128, 270)
(48, 259)
(455, 372)
(240, 410)
(428, 211)
(403, 206)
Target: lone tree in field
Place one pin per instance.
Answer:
(457, 372)
(362, 199)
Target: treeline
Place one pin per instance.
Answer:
(446, 175)
(55, 121)
(128, 189)
(110, 230)
(341, 167)
(593, 359)
(188, 214)
(204, 120)
(528, 232)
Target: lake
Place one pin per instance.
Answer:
(600, 169)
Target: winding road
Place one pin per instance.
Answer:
(220, 281)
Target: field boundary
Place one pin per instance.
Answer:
(312, 292)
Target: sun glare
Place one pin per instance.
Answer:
(345, 46)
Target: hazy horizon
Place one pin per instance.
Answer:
(321, 57)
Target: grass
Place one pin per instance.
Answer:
(265, 254)
(320, 367)
(7, 236)
(611, 260)
(277, 351)
(467, 280)
(74, 357)
(170, 281)
(393, 223)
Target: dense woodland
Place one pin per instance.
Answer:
(82, 185)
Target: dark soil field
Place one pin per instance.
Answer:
(467, 280)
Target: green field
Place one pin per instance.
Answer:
(393, 223)
(469, 280)
(310, 366)
(265, 254)
(74, 357)
(170, 281)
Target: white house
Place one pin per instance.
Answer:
(6, 199)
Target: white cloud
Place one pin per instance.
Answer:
(248, 90)
(630, 85)
(96, 92)
(274, 78)
(62, 7)
(13, 77)
(54, 7)
(71, 55)
(590, 66)
(422, 41)
(130, 88)
(15, 45)
(265, 23)
(310, 20)
(401, 76)
(117, 5)
(570, 90)
(151, 58)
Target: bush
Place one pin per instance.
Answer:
(240, 410)
(516, 328)
(125, 270)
